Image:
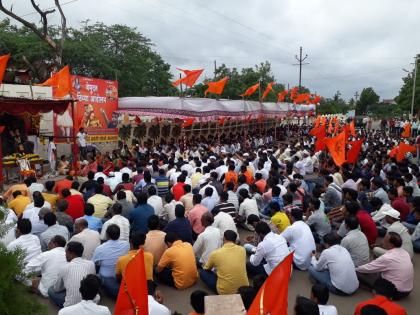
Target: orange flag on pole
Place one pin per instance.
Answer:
(404, 148)
(191, 76)
(354, 152)
(407, 131)
(352, 128)
(60, 82)
(267, 90)
(330, 127)
(282, 95)
(317, 121)
(272, 296)
(216, 87)
(251, 90)
(3, 64)
(337, 148)
(188, 122)
(133, 294)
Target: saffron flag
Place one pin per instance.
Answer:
(191, 76)
(132, 297)
(267, 90)
(316, 100)
(393, 152)
(319, 143)
(324, 121)
(404, 148)
(282, 95)
(188, 122)
(336, 128)
(251, 90)
(222, 121)
(60, 82)
(330, 127)
(317, 121)
(216, 87)
(294, 93)
(407, 131)
(354, 152)
(272, 296)
(3, 64)
(337, 148)
(316, 130)
(352, 128)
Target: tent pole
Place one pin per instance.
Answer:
(74, 144)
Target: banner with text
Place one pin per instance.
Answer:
(97, 100)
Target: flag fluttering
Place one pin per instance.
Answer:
(272, 296)
(188, 122)
(403, 149)
(216, 87)
(191, 76)
(251, 90)
(60, 82)
(352, 128)
(294, 93)
(3, 65)
(282, 96)
(337, 148)
(354, 152)
(407, 131)
(133, 294)
(267, 90)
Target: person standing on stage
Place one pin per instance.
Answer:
(81, 140)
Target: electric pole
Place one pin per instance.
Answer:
(414, 85)
(356, 96)
(301, 63)
(215, 67)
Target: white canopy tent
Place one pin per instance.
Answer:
(206, 109)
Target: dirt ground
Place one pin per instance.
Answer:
(178, 300)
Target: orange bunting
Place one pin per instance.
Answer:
(267, 90)
(407, 131)
(191, 76)
(216, 87)
(337, 148)
(60, 82)
(188, 122)
(3, 64)
(272, 296)
(251, 90)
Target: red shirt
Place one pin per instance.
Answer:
(62, 184)
(367, 225)
(76, 207)
(388, 306)
(107, 190)
(178, 191)
(261, 185)
(401, 206)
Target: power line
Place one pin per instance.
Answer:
(50, 8)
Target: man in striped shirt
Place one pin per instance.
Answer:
(226, 206)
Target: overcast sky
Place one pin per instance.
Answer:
(350, 44)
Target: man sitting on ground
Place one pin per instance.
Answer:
(320, 295)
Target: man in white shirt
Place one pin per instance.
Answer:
(89, 288)
(155, 201)
(320, 295)
(26, 241)
(119, 220)
(81, 141)
(247, 207)
(334, 268)
(100, 173)
(53, 229)
(52, 154)
(223, 221)
(90, 239)
(155, 300)
(272, 249)
(65, 291)
(47, 264)
(207, 241)
(300, 239)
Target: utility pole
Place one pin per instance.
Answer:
(300, 64)
(414, 85)
(215, 67)
(356, 96)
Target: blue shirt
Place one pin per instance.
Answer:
(162, 183)
(94, 223)
(276, 199)
(208, 202)
(107, 254)
(182, 228)
(139, 216)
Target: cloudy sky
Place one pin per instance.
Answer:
(350, 44)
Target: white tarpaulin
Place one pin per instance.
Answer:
(204, 109)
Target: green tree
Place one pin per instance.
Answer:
(240, 80)
(110, 52)
(406, 92)
(14, 299)
(367, 97)
(334, 105)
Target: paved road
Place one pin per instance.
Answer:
(178, 300)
